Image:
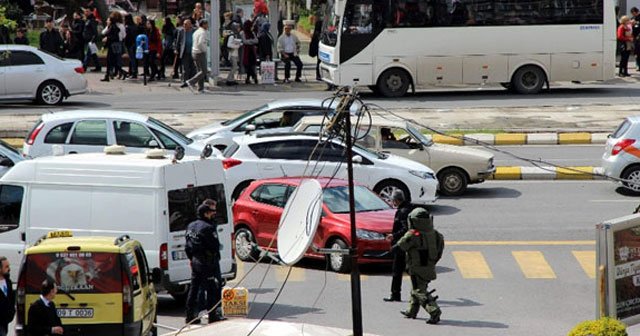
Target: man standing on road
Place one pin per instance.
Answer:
(289, 49)
(51, 40)
(43, 316)
(203, 251)
(199, 53)
(424, 246)
(7, 297)
(400, 227)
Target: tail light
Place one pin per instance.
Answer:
(79, 70)
(230, 163)
(164, 257)
(21, 297)
(34, 133)
(127, 295)
(621, 145)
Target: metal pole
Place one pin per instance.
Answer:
(214, 46)
(356, 301)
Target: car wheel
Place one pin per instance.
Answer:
(394, 83)
(385, 190)
(50, 93)
(338, 262)
(453, 182)
(245, 245)
(632, 174)
(528, 79)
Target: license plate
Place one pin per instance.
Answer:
(178, 255)
(75, 312)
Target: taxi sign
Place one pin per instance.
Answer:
(235, 301)
(59, 234)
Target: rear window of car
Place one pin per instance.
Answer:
(58, 134)
(75, 272)
(622, 129)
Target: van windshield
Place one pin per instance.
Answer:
(75, 272)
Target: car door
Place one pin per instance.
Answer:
(272, 198)
(4, 66)
(399, 142)
(148, 299)
(87, 136)
(25, 73)
(329, 160)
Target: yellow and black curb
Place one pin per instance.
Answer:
(547, 173)
(500, 139)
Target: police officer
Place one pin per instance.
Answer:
(203, 250)
(400, 227)
(421, 245)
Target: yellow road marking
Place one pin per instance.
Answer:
(534, 265)
(507, 173)
(587, 260)
(472, 265)
(297, 274)
(510, 139)
(520, 242)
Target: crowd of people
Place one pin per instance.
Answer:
(181, 46)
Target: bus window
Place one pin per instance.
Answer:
(364, 17)
(330, 25)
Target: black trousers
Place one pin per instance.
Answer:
(397, 271)
(624, 62)
(287, 66)
(207, 280)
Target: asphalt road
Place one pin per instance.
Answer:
(500, 275)
(565, 155)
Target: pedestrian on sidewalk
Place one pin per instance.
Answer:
(113, 45)
(249, 57)
(625, 37)
(51, 40)
(184, 45)
(199, 53)
(155, 49)
(234, 42)
(168, 35)
(77, 30)
(42, 316)
(635, 30)
(132, 32)
(90, 36)
(314, 46)
(289, 49)
(177, 58)
(400, 228)
(21, 37)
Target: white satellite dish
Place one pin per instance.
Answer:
(299, 221)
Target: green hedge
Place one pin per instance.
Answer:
(605, 326)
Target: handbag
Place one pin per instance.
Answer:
(93, 48)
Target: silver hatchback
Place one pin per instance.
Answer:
(621, 157)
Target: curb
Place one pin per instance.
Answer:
(547, 173)
(499, 139)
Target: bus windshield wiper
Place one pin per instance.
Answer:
(66, 293)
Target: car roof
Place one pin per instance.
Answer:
(20, 47)
(304, 102)
(634, 119)
(88, 114)
(268, 137)
(387, 120)
(325, 182)
(86, 244)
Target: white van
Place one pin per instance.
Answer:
(151, 200)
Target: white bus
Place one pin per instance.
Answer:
(392, 45)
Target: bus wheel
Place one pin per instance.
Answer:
(528, 79)
(394, 83)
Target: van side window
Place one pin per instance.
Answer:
(134, 270)
(58, 134)
(90, 132)
(10, 207)
(184, 202)
(142, 266)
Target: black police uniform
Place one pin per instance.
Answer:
(203, 249)
(400, 227)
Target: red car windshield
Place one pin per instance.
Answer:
(337, 200)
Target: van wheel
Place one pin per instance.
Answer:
(245, 245)
(528, 79)
(394, 83)
(50, 93)
(453, 182)
(340, 263)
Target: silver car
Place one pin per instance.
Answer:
(455, 166)
(27, 73)
(87, 131)
(273, 116)
(621, 158)
(9, 156)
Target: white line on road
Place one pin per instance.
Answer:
(615, 201)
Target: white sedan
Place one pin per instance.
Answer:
(27, 73)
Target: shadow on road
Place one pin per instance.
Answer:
(442, 210)
(627, 192)
(473, 324)
(488, 192)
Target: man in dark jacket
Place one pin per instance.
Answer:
(90, 35)
(77, 29)
(51, 40)
(7, 297)
(400, 227)
(421, 245)
(203, 250)
(43, 317)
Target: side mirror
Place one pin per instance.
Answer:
(153, 144)
(609, 136)
(5, 162)
(357, 159)
(249, 128)
(156, 276)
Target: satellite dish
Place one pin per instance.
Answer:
(299, 221)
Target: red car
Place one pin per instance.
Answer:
(257, 214)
